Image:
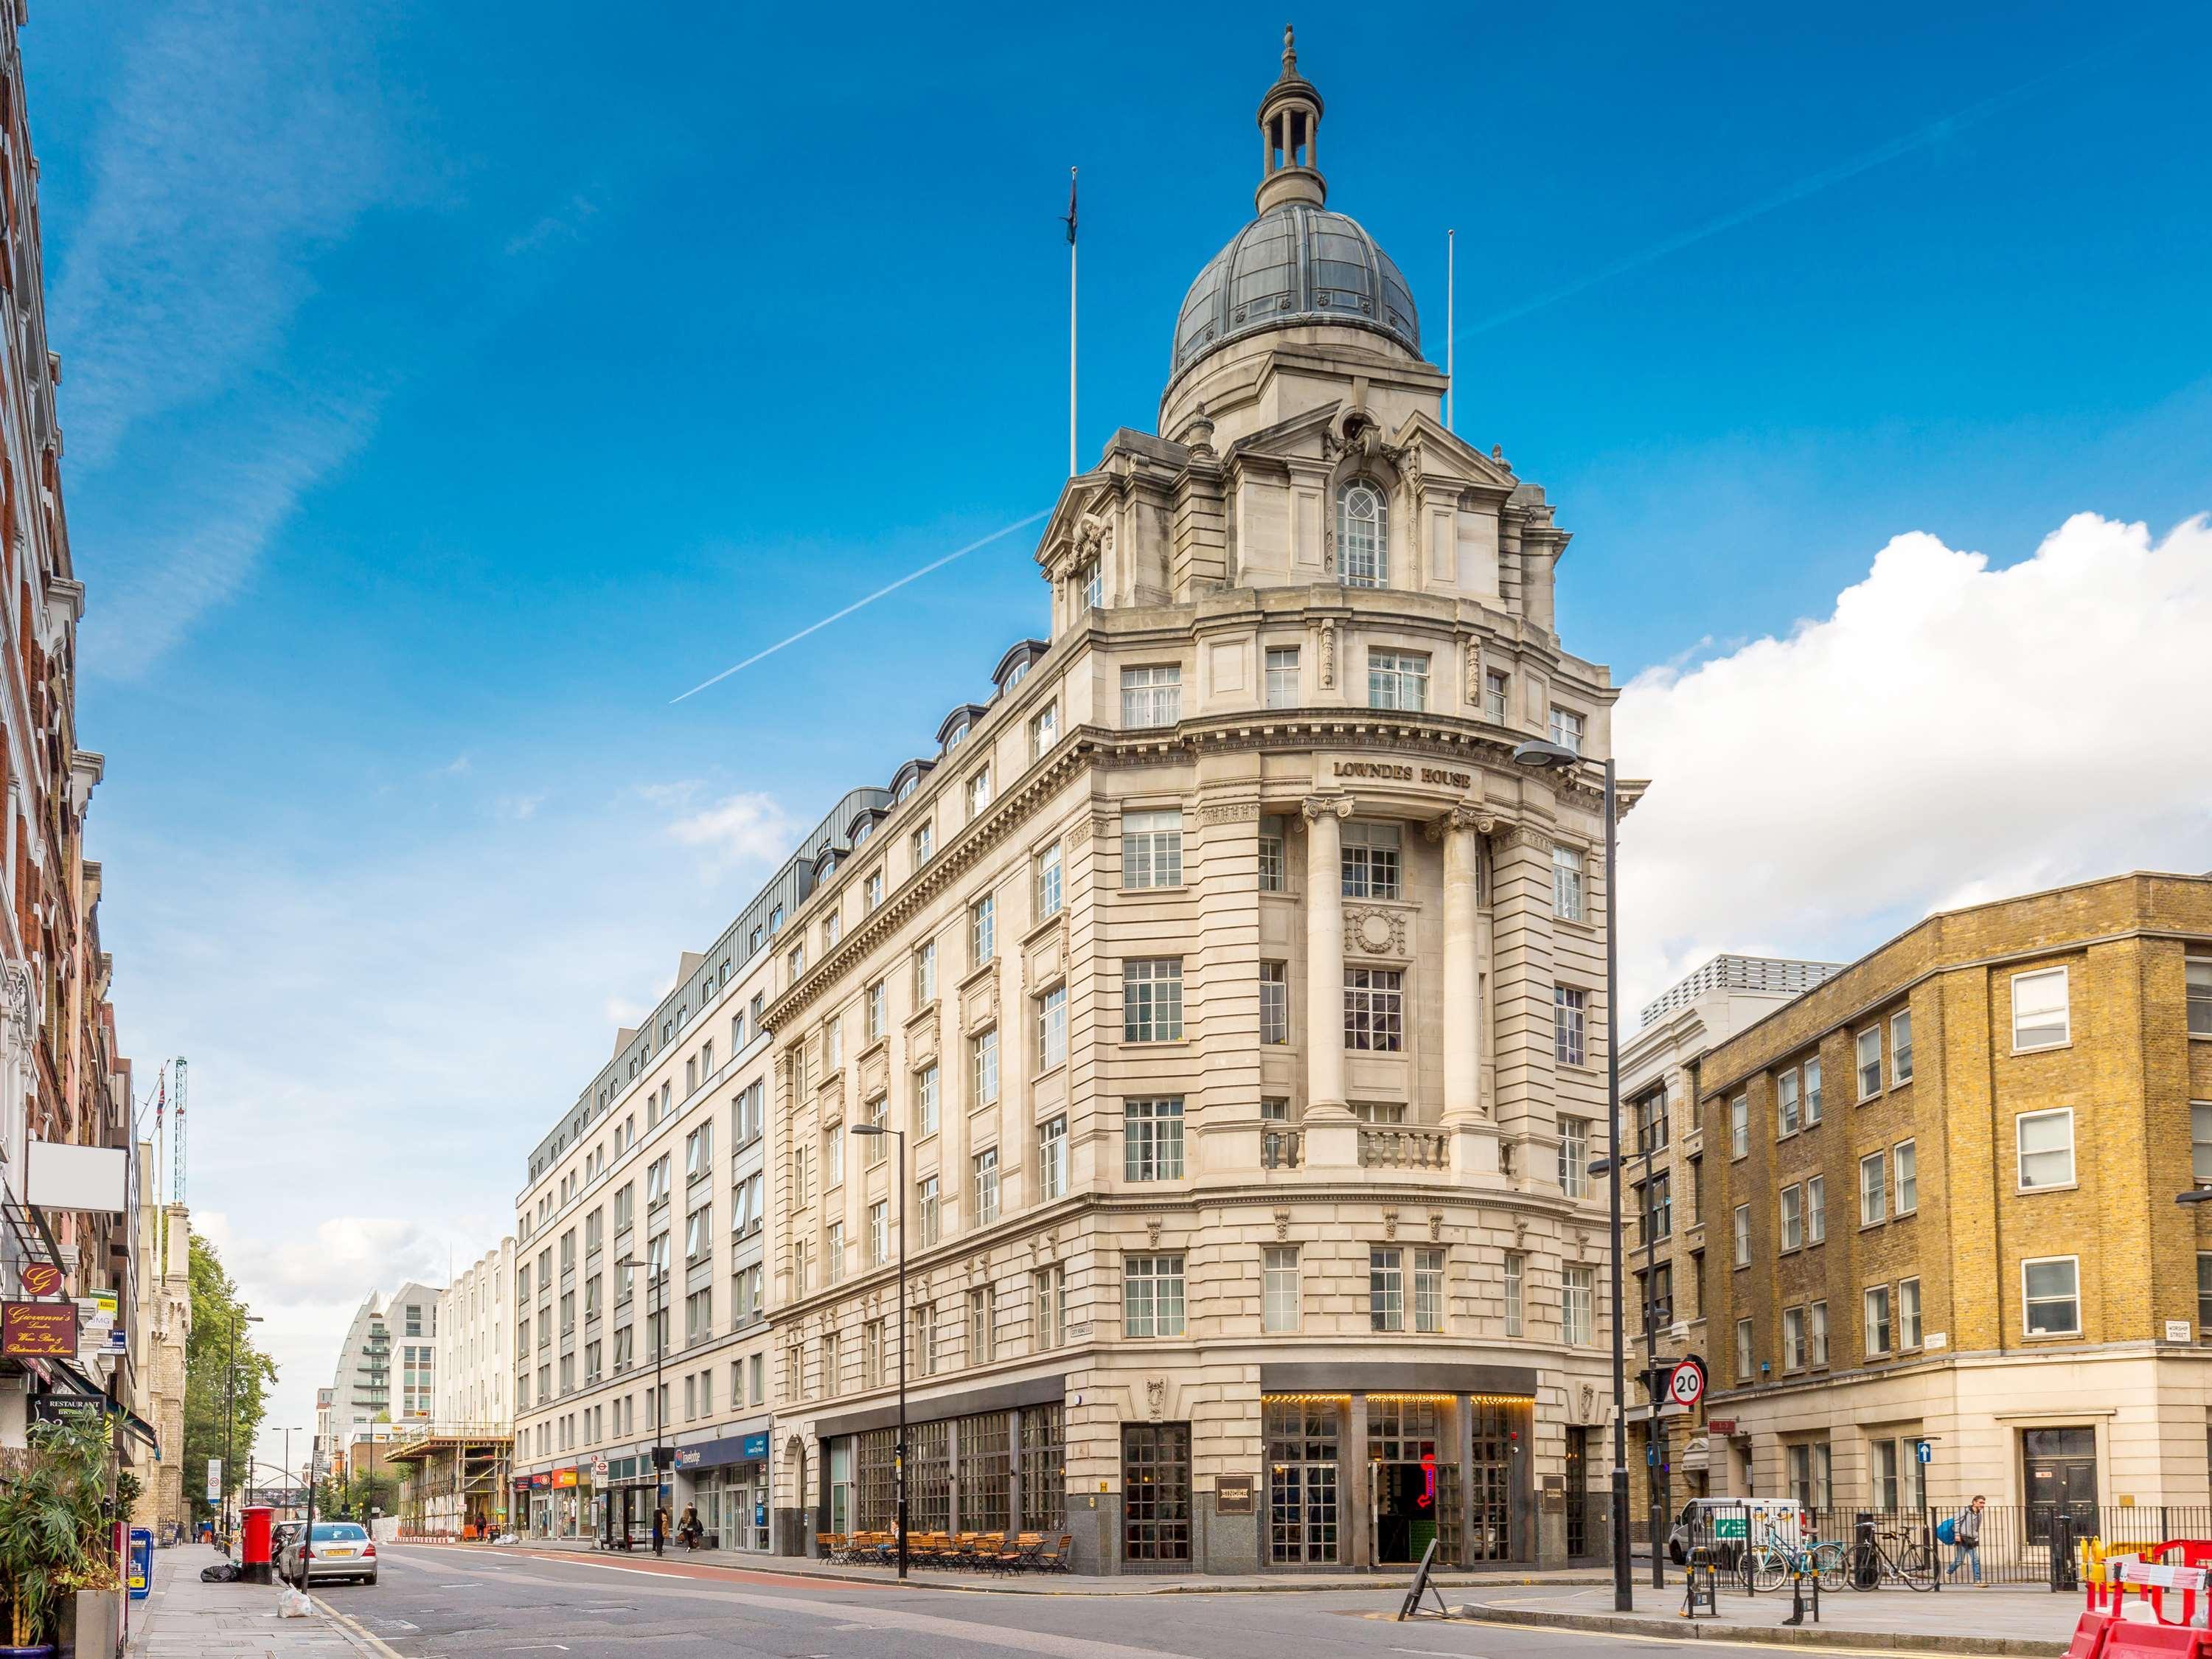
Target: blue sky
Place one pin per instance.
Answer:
(446, 388)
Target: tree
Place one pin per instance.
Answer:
(218, 1320)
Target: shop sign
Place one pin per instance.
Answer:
(719, 1453)
(42, 1278)
(753, 1448)
(41, 1329)
(564, 1477)
(1232, 1494)
(1720, 1425)
(66, 1408)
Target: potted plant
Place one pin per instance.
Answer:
(52, 1532)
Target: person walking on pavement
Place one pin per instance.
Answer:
(688, 1532)
(1965, 1538)
(660, 1530)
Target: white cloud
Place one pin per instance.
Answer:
(746, 828)
(242, 139)
(1950, 732)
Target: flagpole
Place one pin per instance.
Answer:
(1451, 273)
(1071, 322)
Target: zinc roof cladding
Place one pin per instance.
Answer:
(1295, 263)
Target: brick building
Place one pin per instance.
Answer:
(63, 1077)
(1961, 1227)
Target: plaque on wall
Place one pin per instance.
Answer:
(1232, 1494)
(1554, 1496)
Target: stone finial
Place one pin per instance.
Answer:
(1290, 53)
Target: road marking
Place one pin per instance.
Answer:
(1439, 1653)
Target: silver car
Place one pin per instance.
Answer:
(339, 1549)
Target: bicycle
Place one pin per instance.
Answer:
(1774, 1563)
(1908, 1565)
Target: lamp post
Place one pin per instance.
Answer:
(230, 1422)
(288, 1475)
(898, 1450)
(1541, 755)
(656, 1283)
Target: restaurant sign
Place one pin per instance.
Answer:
(42, 1278)
(44, 1330)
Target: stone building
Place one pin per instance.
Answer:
(1236, 1001)
(1940, 1188)
(645, 1201)
(160, 1321)
(1662, 1201)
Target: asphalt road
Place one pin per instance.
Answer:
(444, 1603)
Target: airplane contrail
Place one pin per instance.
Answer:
(1920, 138)
(888, 587)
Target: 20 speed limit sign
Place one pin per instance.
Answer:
(1685, 1384)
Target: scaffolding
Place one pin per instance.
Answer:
(454, 1480)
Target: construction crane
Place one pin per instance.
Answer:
(177, 1172)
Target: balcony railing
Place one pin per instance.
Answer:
(1401, 1149)
(1281, 1149)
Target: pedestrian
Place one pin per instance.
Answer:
(660, 1530)
(1963, 1532)
(691, 1529)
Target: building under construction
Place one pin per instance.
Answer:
(453, 1480)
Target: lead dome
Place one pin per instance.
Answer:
(1296, 262)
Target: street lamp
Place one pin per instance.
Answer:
(656, 1281)
(230, 1422)
(288, 1472)
(1541, 756)
(2195, 1195)
(898, 1449)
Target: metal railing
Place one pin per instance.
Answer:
(2012, 1546)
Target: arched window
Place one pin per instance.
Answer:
(1362, 535)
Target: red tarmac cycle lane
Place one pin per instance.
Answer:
(665, 1567)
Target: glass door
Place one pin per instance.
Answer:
(1303, 1445)
(1156, 1492)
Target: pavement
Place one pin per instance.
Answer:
(1957, 1619)
(184, 1618)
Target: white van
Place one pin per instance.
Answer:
(1729, 1524)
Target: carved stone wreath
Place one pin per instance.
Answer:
(1375, 933)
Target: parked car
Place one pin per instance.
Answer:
(339, 1549)
(1728, 1524)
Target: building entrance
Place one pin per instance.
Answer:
(2058, 1470)
(1405, 1448)
(1405, 1511)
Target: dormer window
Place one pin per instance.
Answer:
(959, 736)
(865, 829)
(907, 787)
(1362, 535)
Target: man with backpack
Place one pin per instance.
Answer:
(1963, 1533)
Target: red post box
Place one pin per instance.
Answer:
(253, 1544)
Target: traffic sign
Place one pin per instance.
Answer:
(1685, 1385)
(1923, 1450)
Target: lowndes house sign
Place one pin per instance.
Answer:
(1398, 772)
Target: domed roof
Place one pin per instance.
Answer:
(1298, 262)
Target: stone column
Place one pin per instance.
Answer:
(1325, 816)
(1472, 1136)
(1462, 1015)
(1331, 1139)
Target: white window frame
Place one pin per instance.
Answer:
(1742, 1235)
(1159, 1311)
(1151, 1000)
(2065, 1009)
(1052, 1028)
(2020, 1155)
(1398, 680)
(1740, 1127)
(1285, 687)
(1578, 1306)
(1360, 562)
(1874, 1197)
(1052, 1158)
(1900, 1047)
(1793, 1339)
(1153, 1139)
(1280, 1298)
(1044, 731)
(2027, 1316)
(1905, 1177)
(1568, 893)
(1151, 696)
(1908, 1314)
(1878, 1335)
(1568, 728)
(1792, 1202)
(1816, 1210)
(1742, 1348)
(1050, 882)
(1151, 848)
(1574, 1156)
(1867, 1071)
